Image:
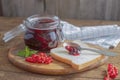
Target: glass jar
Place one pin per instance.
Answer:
(43, 32)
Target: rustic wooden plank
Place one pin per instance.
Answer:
(85, 9)
(23, 76)
(52, 9)
(29, 76)
(112, 10)
(69, 9)
(78, 9)
(92, 9)
(0, 8)
(22, 7)
(63, 8)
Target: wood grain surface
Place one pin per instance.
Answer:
(22, 7)
(0, 8)
(85, 9)
(9, 72)
(77, 9)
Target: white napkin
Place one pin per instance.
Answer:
(106, 36)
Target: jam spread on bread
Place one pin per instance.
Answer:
(72, 50)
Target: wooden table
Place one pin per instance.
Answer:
(10, 72)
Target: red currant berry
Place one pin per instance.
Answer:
(29, 59)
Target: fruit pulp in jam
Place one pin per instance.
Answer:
(42, 39)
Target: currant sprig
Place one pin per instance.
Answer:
(112, 72)
(41, 57)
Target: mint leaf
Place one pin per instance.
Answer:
(32, 52)
(26, 52)
(21, 53)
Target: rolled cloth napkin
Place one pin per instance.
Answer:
(106, 36)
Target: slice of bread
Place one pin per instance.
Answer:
(85, 59)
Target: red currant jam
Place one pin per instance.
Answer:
(43, 36)
(72, 50)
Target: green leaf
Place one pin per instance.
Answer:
(21, 53)
(26, 52)
(32, 52)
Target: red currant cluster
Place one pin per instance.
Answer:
(112, 72)
(72, 50)
(39, 58)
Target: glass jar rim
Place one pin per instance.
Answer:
(30, 21)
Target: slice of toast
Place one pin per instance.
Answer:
(85, 59)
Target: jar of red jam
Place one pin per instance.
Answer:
(42, 32)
